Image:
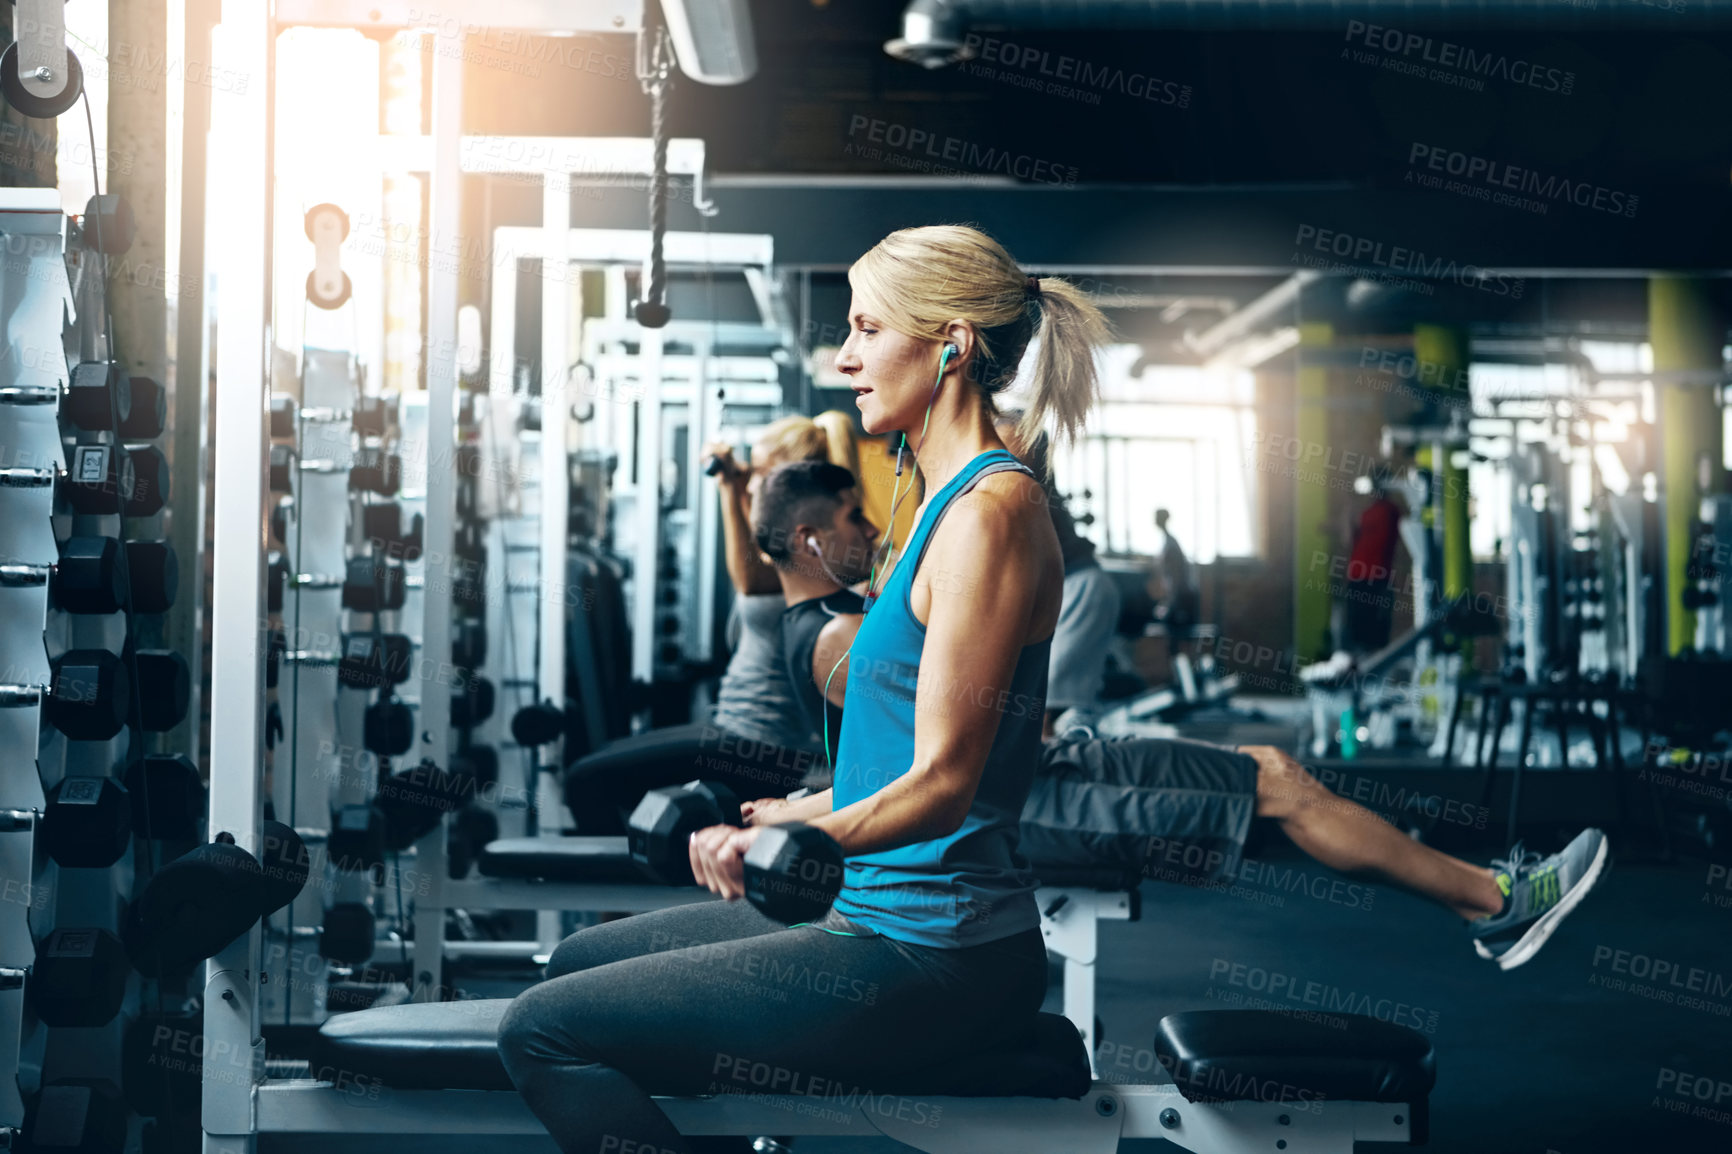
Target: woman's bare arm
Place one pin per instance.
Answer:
(775, 810)
(980, 587)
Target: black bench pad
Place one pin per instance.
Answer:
(454, 1046)
(1262, 1055)
(420, 1046)
(562, 859)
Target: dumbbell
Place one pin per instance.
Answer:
(469, 643)
(348, 933)
(150, 484)
(97, 396)
(414, 801)
(149, 416)
(87, 697)
(168, 797)
(164, 689)
(280, 514)
(472, 702)
(281, 469)
(375, 470)
(78, 978)
(374, 416)
(469, 542)
(468, 585)
(373, 662)
(99, 481)
(480, 762)
(538, 724)
(793, 871)
(88, 577)
(153, 571)
(88, 822)
(471, 830)
(282, 417)
(388, 728)
(371, 585)
(356, 843)
(76, 1115)
(276, 580)
(665, 820)
(382, 524)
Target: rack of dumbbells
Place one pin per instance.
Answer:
(509, 460)
(89, 803)
(337, 586)
(475, 713)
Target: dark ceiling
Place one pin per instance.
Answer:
(1642, 109)
(1162, 155)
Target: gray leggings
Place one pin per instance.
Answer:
(715, 998)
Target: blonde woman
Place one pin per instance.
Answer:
(933, 951)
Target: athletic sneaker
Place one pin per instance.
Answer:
(1539, 892)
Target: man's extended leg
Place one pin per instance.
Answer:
(1512, 908)
(1351, 839)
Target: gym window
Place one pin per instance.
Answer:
(1177, 437)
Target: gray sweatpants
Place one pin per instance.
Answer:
(1169, 809)
(715, 998)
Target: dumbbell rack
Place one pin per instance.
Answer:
(511, 467)
(347, 594)
(475, 704)
(79, 695)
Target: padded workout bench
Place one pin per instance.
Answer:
(598, 874)
(1245, 1080)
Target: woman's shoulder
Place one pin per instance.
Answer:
(1010, 497)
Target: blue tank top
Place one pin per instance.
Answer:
(973, 886)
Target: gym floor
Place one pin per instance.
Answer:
(1542, 1058)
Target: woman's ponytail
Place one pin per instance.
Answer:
(1066, 382)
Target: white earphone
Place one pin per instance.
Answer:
(812, 544)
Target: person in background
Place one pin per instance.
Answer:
(1366, 600)
(757, 739)
(809, 522)
(1089, 617)
(1177, 603)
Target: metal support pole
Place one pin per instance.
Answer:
(556, 402)
(1311, 500)
(441, 362)
(1685, 331)
(240, 121)
(184, 626)
(702, 505)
